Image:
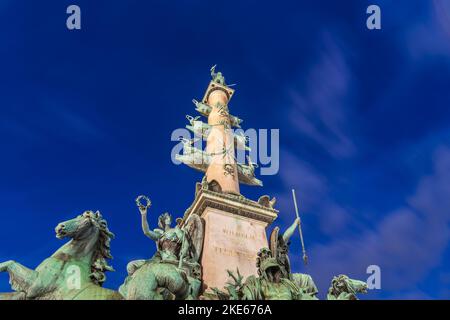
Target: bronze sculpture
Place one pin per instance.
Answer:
(76, 271)
(174, 271)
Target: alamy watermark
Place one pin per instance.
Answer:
(374, 20)
(73, 21)
(261, 146)
(73, 279)
(374, 280)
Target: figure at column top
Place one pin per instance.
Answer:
(217, 76)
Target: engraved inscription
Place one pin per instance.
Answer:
(234, 253)
(238, 234)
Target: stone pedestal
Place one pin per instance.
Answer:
(235, 230)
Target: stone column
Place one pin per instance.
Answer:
(220, 144)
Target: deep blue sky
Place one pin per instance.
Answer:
(364, 119)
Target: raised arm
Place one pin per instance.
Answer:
(290, 231)
(151, 234)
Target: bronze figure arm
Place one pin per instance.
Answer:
(290, 231)
(151, 234)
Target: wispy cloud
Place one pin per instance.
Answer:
(319, 105)
(314, 194)
(50, 120)
(430, 37)
(406, 243)
(76, 125)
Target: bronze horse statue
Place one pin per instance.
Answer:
(76, 271)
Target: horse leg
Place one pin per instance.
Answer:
(151, 290)
(141, 286)
(4, 266)
(177, 284)
(194, 288)
(21, 278)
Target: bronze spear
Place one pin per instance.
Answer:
(305, 257)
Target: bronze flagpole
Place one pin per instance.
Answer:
(305, 257)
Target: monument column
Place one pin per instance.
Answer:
(220, 143)
(235, 227)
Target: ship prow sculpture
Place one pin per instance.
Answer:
(221, 139)
(218, 249)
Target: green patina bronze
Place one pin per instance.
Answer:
(75, 271)
(279, 247)
(217, 76)
(270, 284)
(344, 288)
(275, 280)
(174, 271)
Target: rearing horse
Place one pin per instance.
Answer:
(76, 271)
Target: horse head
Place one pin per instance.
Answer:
(90, 227)
(343, 283)
(83, 226)
(357, 286)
